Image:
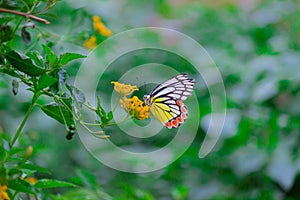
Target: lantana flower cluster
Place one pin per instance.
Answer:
(133, 106)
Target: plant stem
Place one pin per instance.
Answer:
(28, 15)
(19, 130)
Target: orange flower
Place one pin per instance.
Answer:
(3, 192)
(100, 27)
(134, 107)
(90, 43)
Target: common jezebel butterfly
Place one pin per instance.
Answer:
(166, 100)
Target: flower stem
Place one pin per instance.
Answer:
(19, 130)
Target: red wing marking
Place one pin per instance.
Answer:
(179, 119)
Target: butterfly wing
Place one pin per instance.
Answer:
(179, 87)
(171, 115)
(166, 100)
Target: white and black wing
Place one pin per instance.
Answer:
(179, 87)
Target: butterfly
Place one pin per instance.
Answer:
(166, 100)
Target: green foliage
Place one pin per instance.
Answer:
(58, 112)
(256, 48)
(105, 117)
(23, 64)
(16, 170)
(49, 183)
(68, 57)
(40, 69)
(6, 33)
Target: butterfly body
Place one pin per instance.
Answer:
(166, 100)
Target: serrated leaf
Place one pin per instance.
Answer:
(45, 81)
(51, 58)
(23, 64)
(68, 57)
(20, 186)
(36, 57)
(50, 183)
(25, 36)
(58, 112)
(35, 168)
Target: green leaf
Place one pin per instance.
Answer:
(10, 72)
(3, 153)
(5, 136)
(20, 186)
(68, 57)
(14, 172)
(110, 115)
(51, 58)
(23, 64)
(36, 57)
(58, 112)
(35, 168)
(105, 117)
(5, 19)
(6, 33)
(50, 183)
(15, 159)
(16, 150)
(45, 81)
(100, 111)
(84, 193)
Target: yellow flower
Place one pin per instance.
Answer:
(90, 43)
(3, 193)
(100, 27)
(31, 180)
(134, 106)
(124, 89)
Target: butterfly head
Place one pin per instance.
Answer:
(147, 99)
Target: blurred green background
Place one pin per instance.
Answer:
(256, 46)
